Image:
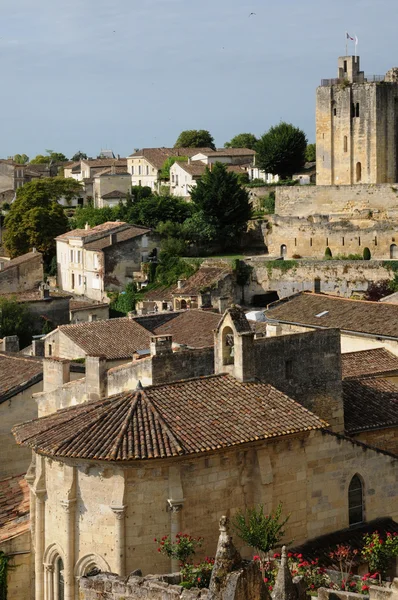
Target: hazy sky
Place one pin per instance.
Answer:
(125, 74)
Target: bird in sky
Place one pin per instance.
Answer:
(251, 14)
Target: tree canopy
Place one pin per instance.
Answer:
(222, 207)
(281, 151)
(50, 156)
(310, 153)
(21, 159)
(15, 319)
(242, 140)
(79, 155)
(35, 217)
(195, 138)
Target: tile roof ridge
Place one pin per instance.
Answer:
(91, 323)
(333, 297)
(182, 381)
(355, 442)
(139, 396)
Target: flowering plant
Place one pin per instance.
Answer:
(182, 549)
(197, 575)
(379, 552)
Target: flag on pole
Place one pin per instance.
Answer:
(350, 38)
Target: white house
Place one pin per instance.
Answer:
(184, 175)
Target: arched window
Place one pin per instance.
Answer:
(393, 251)
(228, 346)
(355, 501)
(59, 579)
(283, 250)
(183, 304)
(358, 172)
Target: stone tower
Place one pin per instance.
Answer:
(357, 127)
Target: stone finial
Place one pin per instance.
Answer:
(139, 385)
(284, 588)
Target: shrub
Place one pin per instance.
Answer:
(328, 253)
(182, 549)
(261, 532)
(366, 254)
(197, 575)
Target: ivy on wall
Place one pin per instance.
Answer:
(4, 560)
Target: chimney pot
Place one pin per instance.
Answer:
(10, 343)
(161, 344)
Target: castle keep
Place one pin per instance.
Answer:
(356, 126)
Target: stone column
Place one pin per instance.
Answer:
(49, 575)
(69, 565)
(120, 539)
(39, 543)
(175, 527)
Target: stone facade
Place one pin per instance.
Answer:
(340, 278)
(356, 128)
(20, 576)
(21, 274)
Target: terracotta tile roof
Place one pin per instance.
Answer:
(369, 404)
(234, 152)
(377, 361)
(104, 228)
(157, 156)
(197, 168)
(35, 296)
(187, 417)
(20, 259)
(237, 314)
(18, 373)
(374, 318)
(105, 162)
(14, 507)
(112, 171)
(191, 327)
(114, 194)
(163, 292)
(120, 236)
(322, 546)
(203, 280)
(113, 338)
(85, 304)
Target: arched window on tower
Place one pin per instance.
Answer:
(228, 346)
(358, 172)
(356, 512)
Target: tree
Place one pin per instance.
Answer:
(222, 206)
(242, 140)
(164, 174)
(36, 218)
(79, 155)
(51, 156)
(21, 159)
(261, 532)
(310, 153)
(281, 151)
(15, 319)
(195, 138)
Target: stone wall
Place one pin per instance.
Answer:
(341, 278)
(386, 439)
(21, 407)
(107, 586)
(306, 200)
(91, 313)
(309, 237)
(21, 276)
(125, 258)
(20, 576)
(55, 309)
(375, 593)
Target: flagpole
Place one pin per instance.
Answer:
(346, 45)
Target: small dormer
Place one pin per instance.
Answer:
(234, 346)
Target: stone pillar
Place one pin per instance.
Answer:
(69, 507)
(39, 543)
(96, 380)
(120, 539)
(49, 575)
(56, 372)
(175, 527)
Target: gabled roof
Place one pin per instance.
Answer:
(203, 280)
(104, 228)
(120, 236)
(191, 327)
(114, 194)
(18, 373)
(20, 260)
(377, 361)
(157, 156)
(14, 507)
(322, 311)
(105, 162)
(187, 417)
(369, 404)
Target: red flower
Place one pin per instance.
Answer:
(265, 579)
(159, 550)
(312, 586)
(374, 576)
(289, 554)
(365, 588)
(276, 555)
(299, 556)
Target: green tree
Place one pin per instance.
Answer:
(165, 170)
(195, 138)
(281, 151)
(138, 192)
(222, 206)
(36, 218)
(15, 319)
(51, 156)
(258, 530)
(21, 159)
(79, 155)
(242, 140)
(310, 153)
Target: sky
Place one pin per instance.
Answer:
(124, 74)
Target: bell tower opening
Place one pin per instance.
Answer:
(228, 346)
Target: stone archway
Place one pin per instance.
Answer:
(393, 251)
(88, 562)
(283, 250)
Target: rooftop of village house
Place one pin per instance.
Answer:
(101, 233)
(160, 421)
(121, 338)
(17, 373)
(370, 403)
(321, 311)
(14, 507)
(369, 363)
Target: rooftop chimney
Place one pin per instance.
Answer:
(161, 344)
(180, 283)
(10, 343)
(113, 169)
(56, 372)
(44, 290)
(112, 238)
(95, 377)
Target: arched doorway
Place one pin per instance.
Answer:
(393, 251)
(283, 250)
(358, 172)
(183, 304)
